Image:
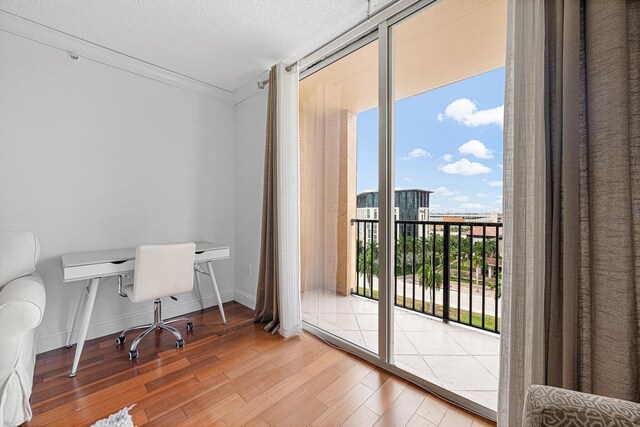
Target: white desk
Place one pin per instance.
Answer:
(96, 266)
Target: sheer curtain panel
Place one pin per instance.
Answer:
(522, 328)
(278, 294)
(288, 178)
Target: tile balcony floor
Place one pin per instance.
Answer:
(460, 359)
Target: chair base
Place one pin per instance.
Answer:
(158, 323)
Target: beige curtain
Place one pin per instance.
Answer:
(522, 326)
(278, 294)
(593, 193)
(267, 294)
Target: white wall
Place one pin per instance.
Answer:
(250, 130)
(93, 157)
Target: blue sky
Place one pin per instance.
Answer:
(448, 140)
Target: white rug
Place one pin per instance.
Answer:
(119, 419)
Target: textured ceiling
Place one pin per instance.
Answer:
(221, 42)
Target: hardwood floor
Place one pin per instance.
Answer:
(230, 375)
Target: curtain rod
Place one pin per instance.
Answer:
(369, 17)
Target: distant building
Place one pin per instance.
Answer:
(489, 231)
(408, 203)
(372, 213)
(465, 217)
(424, 214)
(371, 229)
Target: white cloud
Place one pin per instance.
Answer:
(444, 192)
(398, 188)
(447, 157)
(495, 183)
(465, 111)
(417, 153)
(465, 167)
(482, 195)
(476, 148)
(407, 179)
(449, 194)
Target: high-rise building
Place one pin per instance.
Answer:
(410, 203)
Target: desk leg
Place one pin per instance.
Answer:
(199, 289)
(215, 289)
(81, 300)
(84, 327)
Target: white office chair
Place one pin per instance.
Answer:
(161, 271)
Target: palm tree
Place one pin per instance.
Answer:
(404, 258)
(498, 281)
(490, 248)
(368, 260)
(429, 258)
(476, 262)
(425, 275)
(439, 245)
(464, 248)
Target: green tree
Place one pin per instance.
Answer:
(368, 260)
(425, 274)
(430, 260)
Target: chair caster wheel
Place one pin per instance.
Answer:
(133, 354)
(120, 340)
(189, 326)
(179, 343)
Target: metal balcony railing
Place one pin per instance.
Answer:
(449, 270)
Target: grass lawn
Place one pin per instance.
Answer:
(489, 320)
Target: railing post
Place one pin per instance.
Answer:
(446, 273)
(357, 223)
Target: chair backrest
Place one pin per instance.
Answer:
(162, 271)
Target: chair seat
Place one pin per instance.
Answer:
(161, 271)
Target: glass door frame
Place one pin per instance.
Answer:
(386, 218)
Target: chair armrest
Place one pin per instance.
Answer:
(22, 303)
(29, 292)
(551, 406)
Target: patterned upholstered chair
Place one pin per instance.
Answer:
(551, 406)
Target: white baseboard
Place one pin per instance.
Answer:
(59, 339)
(245, 299)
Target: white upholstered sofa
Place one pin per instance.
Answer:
(22, 302)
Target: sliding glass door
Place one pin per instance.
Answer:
(338, 190)
(401, 196)
(448, 94)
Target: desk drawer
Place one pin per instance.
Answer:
(97, 270)
(212, 255)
